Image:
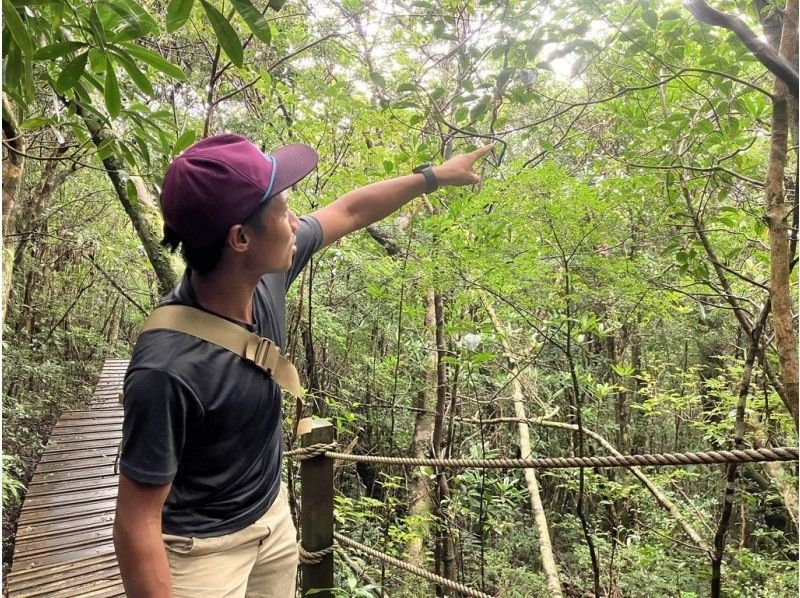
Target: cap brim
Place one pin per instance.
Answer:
(294, 162)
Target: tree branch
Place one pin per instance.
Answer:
(778, 65)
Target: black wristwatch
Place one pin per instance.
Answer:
(431, 182)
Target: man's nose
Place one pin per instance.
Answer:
(294, 221)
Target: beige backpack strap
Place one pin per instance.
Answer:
(221, 332)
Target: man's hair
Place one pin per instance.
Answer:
(204, 259)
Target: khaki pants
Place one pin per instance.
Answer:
(259, 561)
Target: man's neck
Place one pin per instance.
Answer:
(225, 292)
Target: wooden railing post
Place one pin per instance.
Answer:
(316, 516)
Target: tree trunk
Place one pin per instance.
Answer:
(421, 443)
(13, 167)
(537, 508)
(778, 217)
(445, 548)
(158, 256)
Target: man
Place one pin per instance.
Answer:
(201, 510)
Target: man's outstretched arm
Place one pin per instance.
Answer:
(137, 539)
(361, 207)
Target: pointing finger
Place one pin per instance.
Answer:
(482, 151)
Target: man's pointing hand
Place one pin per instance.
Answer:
(458, 170)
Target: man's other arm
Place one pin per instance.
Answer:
(361, 207)
(137, 539)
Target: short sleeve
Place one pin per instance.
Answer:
(159, 413)
(309, 239)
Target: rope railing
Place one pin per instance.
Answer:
(395, 562)
(317, 476)
(660, 459)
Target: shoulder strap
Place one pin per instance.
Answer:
(223, 333)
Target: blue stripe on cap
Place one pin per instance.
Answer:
(272, 161)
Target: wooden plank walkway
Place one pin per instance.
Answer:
(64, 545)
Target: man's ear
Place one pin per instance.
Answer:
(237, 238)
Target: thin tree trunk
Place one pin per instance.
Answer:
(537, 508)
(421, 443)
(158, 256)
(778, 217)
(657, 493)
(731, 469)
(445, 548)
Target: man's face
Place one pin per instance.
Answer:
(274, 245)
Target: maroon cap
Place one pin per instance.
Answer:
(220, 181)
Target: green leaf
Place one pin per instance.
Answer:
(97, 26)
(12, 69)
(138, 77)
(156, 61)
(406, 87)
(111, 90)
(178, 13)
(106, 148)
(35, 123)
(71, 73)
(461, 114)
(184, 141)
(56, 50)
(437, 93)
(254, 19)
(377, 79)
(651, 18)
(226, 36)
(16, 27)
(276, 5)
(134, 21)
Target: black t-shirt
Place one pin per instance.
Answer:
(206, 420)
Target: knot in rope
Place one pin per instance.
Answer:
(313, 557)
(309, 452)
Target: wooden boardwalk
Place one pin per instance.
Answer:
(63, 546)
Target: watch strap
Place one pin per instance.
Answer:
(431, 182)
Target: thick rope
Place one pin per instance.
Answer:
(313, 557)
(309, 452)
(665, 459)
(442, 581)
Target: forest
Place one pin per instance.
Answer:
(623, 280)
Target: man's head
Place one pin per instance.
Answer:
(224, 187)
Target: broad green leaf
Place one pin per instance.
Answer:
(226, 36)
(56, 50)
(143, 149)
(178, 13)
(155, 60)
(276, 5)
(184, 141)
(133, 22)
(35, 122)
(406, 87)
(17, 28)
(651, 18)
(71, 73)
(377, 79)
(106, 148)
(138, 77)
(111, 90)
(254, 19)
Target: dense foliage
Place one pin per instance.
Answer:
(611, 266)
